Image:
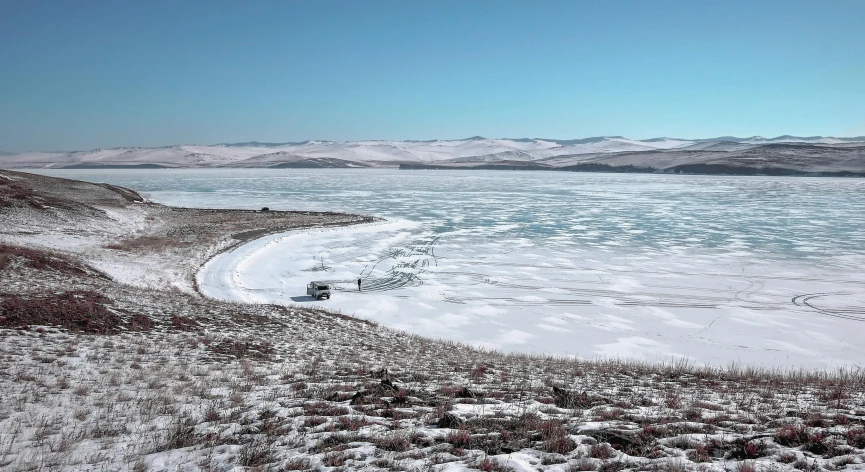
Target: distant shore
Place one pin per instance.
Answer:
(813, 156)
(689, 169)
(685, 169)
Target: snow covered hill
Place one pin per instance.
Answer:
(474, 150)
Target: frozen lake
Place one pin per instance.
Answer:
(761, 270)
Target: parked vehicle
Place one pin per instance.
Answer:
(318, 290)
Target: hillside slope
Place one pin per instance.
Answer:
(816, 155)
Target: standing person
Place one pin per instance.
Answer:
(358, 284)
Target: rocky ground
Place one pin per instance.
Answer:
(110, 360)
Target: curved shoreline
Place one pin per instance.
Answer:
(275, 269)
(248, 237)
(263, 241)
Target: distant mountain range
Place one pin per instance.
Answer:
(814, 155)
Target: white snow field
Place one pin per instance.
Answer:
(754, 270)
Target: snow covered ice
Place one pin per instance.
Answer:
(757, 270)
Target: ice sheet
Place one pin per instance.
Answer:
(755, 270)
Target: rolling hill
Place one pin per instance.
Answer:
(814, 155)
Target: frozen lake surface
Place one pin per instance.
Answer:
(758, 270)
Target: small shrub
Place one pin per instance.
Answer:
(791, 435)
(613, 466)
(460, 438)
(692, 414)
(560, 445)
(551, 459)
(212, 415)
(742, 449)
(333, 459)
(140, 323)
(816, 420)
(478, 372)
(843, 461)
(313, 421)
(673, 400)
(393, 442)
(856, 437)
(492, 465)
(256, 453)
(583, 465)
(400, 397)
(551, 429)
(180, 434)
(602, 451)
(672, 466)
(815, 443)
(803, 464)
(608, 414)
(324, 409)
(352, 423)
(700, 453)
(745, 466)
(334, 441)
(297, 463)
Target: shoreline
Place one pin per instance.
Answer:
(245, 237)
(270, 238)
(144, 243)
(142, 377)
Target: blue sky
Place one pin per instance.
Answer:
(85, 74)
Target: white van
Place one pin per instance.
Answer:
(318, 290)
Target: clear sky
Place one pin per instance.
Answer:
(84, 74)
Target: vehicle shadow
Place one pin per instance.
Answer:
(304, 298)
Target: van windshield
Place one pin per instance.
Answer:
(323, 287)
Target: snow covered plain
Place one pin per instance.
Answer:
(756, 270)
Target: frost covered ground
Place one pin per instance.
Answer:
(104, 372)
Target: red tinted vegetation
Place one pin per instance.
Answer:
(79, 311)
(12, 195)
(38, 260)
